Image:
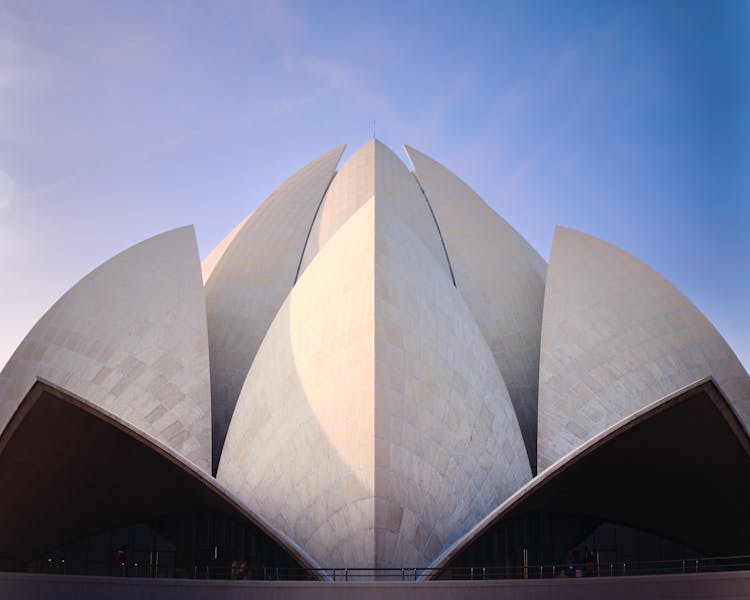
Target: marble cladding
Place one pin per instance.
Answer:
(387, 358)
(131, 338)
(374, 427)
(374, 171)
(617, 336)
(501, 278)
(448, 447)
(300, 447)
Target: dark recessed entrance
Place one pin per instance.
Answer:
(77, 486)
(673, 482)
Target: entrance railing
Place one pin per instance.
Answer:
(476, 573)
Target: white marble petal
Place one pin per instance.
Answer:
(374, 170)
(131, 338)
(617, 336)
(374, 427)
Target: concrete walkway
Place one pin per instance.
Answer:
(21, 586)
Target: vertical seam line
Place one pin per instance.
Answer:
(437, 226)
(312, 223)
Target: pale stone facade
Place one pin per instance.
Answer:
(249, 281)
(301, 444)
(374, 171)
(131, 338)
(448, 447)
(374, 426)
(501, 278)
(617, 336)
(388, 359)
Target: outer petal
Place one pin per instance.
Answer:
(69, 469)
(130, 337)
(501, 278)
(656, 470)
(398, 441)
(617, 336)
(252, 277)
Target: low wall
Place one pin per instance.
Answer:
(21, 586)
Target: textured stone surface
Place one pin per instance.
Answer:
(617, 336)
(374, 427)
(300, 446)
(250, 279)
(392, 403)
(448, 447)
(129, 337)
(374, 171)
(501, 278)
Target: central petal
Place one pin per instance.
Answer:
(374, 427)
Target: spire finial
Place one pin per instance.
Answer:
(373, 129)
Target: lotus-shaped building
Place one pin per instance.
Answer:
(373, 369)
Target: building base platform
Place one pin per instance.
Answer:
(729, 585)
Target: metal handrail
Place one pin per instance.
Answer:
(711, 564)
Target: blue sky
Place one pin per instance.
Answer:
(627, 120)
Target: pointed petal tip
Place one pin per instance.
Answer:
(337, 150)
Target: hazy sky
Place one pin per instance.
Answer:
(627, 120)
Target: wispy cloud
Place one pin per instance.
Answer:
(552, 141)
(277, 108)
(48, 188)
(524, 127)
(7, 191)
(339, 78)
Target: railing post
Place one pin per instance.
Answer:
(696, 565)
(346, 574)
(471, 573)
(403, 574)
(525, 563)
(683, 565)
(484, 572)
(415, 573)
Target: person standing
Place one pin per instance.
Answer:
(121, 559)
